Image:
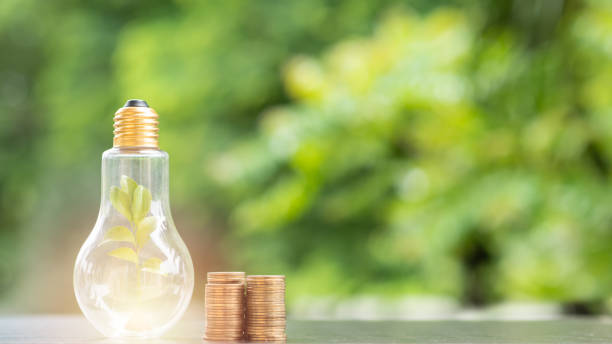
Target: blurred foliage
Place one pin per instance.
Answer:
(388, 147)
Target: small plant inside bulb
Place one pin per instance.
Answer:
(133, 201)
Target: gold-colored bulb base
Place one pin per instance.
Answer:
(135, 127)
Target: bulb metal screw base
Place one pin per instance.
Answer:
(136, 125)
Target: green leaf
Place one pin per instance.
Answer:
(119, 233)
(124, 253)
(121, 202)
(128, 185)
(140, 203)
(152, 265)
(144, 229)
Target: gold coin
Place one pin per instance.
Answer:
(267, 340)
(234, 330)
(224, 296)
(267, 309)
(236, 297)
(216, 319)
(225, 273)
(266, 296)
(225, 307)
(226, 277)
(215, 299)
(266, 334)
(265, 277)
(230, 340)
(256, 321)
(264, 308)
(222, 291)
(230, 332)
(223, 302)
(266, 337)
(263, 285)
(279, 332)
(265, 316)
(219, 303)
(224, 287)
(265, 329)
(265, 291)
(268, 324)
(251, 331)
(224, 324)
(226, 315)
(215, 290)
(256, 304)
(265, 312)
(220, 335)
(266, 301)
(212, 310)
(222, 338)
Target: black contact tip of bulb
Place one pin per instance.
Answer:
(136, 103)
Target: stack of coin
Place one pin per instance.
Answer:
(266, 317)
(225, 306)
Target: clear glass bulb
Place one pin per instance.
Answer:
(133, 276)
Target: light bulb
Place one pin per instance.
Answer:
(133, 276)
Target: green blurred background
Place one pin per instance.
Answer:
(392, 158)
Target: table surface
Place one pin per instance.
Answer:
(75, 329)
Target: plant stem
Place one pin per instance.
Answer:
(138, 277)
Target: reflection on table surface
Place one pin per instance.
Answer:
(50, 329)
